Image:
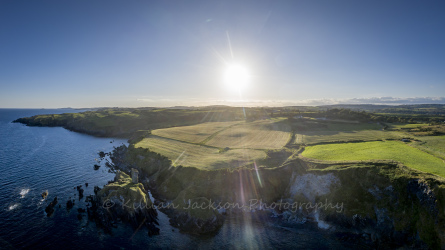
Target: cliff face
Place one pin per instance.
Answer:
(385, 205)
(380, 204)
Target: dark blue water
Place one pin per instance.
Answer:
(35, 159)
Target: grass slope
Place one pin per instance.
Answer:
(263, 134)
(434, 145)
(386, 150)
(202, 157)
(399, 126)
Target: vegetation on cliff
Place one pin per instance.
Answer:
(131, 196)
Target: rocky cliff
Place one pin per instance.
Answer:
(122, 200)
(380, 204)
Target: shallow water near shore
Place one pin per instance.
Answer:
(36, 159)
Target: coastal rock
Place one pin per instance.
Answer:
(102, 154)
(96, 189)
(45, 194)
(152, 230)
(69, 204)
(424, 194)
(194, 215)
(80, 190)
(125, 201)
(50, 208)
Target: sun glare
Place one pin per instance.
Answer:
(236, 77)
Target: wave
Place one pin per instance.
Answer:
(24, 191)
(13, 206)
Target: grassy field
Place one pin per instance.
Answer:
(386, 150)
(434, 145)
(398, 126)
(263, 134)
(330, 125)
(208, 158)
(335, 126)
(313, 132)
(339, 136)
(216, 145)
(194, 134)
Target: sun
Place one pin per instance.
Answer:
(236, 77)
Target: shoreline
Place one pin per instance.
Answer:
(374, 196)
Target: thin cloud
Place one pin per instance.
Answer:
(386, 100)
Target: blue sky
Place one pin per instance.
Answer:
(166, 53)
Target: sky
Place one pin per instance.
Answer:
(110, 53)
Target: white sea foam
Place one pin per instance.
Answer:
(24, 191)
(12, 207)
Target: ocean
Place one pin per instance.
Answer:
(36, 159)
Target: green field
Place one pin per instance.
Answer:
(344, 126)
(203, 157)
(398, 126)
(314, 132)
(194, 134)
(379, 150)
(311, 124)
(339, 136)
(434, 145)
(263, 134)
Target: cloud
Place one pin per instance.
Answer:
(145, 100)
(398, 100)
(386, 100)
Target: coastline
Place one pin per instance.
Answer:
(376, 197)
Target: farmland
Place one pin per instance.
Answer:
(307, 124)
(327, 131)
(379, 150)
(257, 135)
(217, 145)
(203, 157)
(340, 136)
(193, 134)
(218, 137)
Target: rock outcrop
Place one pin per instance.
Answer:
(50, 208)
(44, 194)
(122, 200)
